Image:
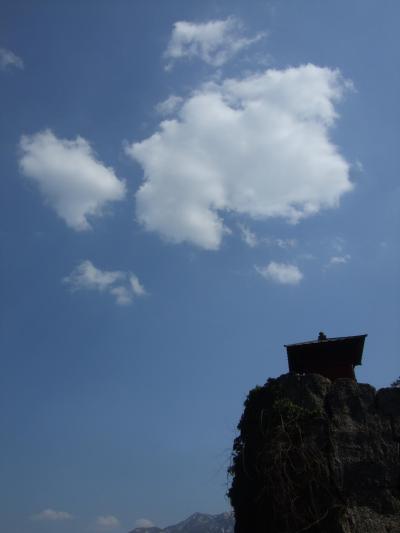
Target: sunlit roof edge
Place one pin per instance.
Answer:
(331, 339)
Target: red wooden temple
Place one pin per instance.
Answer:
(333, 358)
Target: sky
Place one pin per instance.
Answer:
(185, 188)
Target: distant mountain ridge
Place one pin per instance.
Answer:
(196, 523)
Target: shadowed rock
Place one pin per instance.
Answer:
(319, 456)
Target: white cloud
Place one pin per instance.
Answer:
(87, 276)
(248, 236)
(170, 105)
(136, 286)
(281, 243)
(286, 243)
(107, 522)
(338, 244)
(338, 253)
(123, 296)
(281, 273)
(252, 240)
(339, 259)
(214, 42)
(50, 515)
(143, 522)
(9, 59)
(306, 256)
(69, 176)
(257, 146)
(124, 286)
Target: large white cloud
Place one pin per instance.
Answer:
(50, 515)
(69, 176)
(258, 146)
(214, 42)
(123, 286)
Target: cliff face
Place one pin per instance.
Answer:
(317, 456)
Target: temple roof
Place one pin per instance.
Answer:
(316, 354)
(328, 340)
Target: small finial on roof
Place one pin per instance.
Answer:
(322, 336)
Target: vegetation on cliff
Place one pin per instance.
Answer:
(317, 456)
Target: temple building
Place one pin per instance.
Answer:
(331, 357)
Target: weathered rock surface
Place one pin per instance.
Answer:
(317, 456)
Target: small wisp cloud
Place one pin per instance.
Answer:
(169, 105)
(282, 273)
(9, 59)
(252, 240)
(123, 286)
(339, 260)
(50, 515)
(107, 523)
(248, 236)
(215, 42)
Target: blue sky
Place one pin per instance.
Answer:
(186, 187)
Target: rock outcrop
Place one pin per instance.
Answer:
(318, 456)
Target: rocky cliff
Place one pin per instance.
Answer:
(318, 456)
